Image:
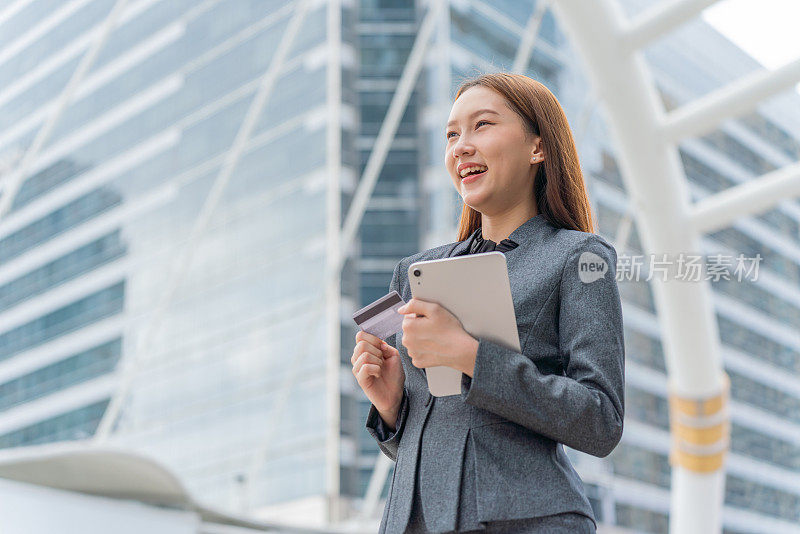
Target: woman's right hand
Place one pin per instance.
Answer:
(379, 372)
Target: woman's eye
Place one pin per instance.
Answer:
(476, 125)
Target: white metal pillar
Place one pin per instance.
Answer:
(333, 281)
(653, 175)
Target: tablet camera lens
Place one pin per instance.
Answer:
(416, 272)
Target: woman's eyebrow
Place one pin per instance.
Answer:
(477, 113)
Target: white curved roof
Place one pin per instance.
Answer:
(103, 470)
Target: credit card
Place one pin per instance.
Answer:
(380, 318)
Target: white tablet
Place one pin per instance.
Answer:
(475, 288)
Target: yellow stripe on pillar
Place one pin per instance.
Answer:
(701, 436)
(697, 462)
(700, 430)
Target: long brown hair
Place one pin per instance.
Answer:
(558, 186)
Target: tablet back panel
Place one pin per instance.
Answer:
(475, 288)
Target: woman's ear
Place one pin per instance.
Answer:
(537, 152)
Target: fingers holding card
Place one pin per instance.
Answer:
(380, 318)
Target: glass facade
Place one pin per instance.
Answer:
(72, 425)
(392, 225)
(104, 239)
(129, 242)
(61, 375)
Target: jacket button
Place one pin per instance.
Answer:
(428, 400)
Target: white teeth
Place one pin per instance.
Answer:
(468, 170)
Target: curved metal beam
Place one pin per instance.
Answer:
(749, 198)
(741, 96)
(660, 20)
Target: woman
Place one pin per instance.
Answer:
(491, 459)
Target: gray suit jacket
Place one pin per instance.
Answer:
(518, 408)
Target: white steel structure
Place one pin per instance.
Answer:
(610, 46)
(669, 223)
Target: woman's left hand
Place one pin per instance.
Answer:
(434, 336)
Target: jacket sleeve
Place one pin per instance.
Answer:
(389, 441)
(583, 409)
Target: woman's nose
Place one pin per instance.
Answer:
(461, 148)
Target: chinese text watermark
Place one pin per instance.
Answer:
(682, 267)
(685, 267)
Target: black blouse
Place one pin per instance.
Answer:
(479, 244)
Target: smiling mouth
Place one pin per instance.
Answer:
(472, 177)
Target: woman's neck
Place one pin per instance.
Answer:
(499, 227)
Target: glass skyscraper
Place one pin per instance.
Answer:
(217, 328)
(158, 256)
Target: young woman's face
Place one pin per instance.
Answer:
(494, 137)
